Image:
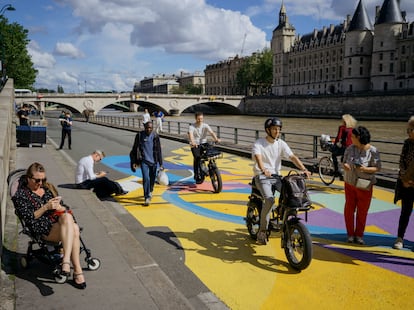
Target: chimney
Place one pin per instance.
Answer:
(331, 30)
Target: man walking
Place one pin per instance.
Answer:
(146, 153)
(66, 122)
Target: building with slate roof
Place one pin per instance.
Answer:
(355, 56)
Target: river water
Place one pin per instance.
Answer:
(380, 130)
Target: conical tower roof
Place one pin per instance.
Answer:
(360, 20)
(390, 13)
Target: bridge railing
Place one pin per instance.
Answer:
(306, 146)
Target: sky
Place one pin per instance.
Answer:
(101, 45)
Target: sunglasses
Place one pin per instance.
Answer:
(410, 130)
(38, 180)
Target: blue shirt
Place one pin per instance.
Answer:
(147, 143)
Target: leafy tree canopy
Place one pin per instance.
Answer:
(255, 75)
(16, 61)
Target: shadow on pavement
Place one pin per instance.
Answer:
(226, 245)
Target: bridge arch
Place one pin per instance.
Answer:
(167, 103)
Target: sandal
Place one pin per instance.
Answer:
(62, 272)
(80, 286)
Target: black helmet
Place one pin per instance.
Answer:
(274, 121)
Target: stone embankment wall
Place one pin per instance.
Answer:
(7, 149)
(380, 107)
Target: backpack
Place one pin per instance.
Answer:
(294, 193)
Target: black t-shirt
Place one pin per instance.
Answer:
(23, 120)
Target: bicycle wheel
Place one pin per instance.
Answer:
(326, 170)
(298, 246)
(215, 177)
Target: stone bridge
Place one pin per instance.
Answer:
(169, 104)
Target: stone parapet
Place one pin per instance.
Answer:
(384, 107)
(7, 149)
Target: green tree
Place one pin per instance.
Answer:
(16, 61)
(60, 89)
(255, 74)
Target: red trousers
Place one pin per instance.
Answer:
(356, 201)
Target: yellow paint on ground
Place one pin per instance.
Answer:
(248, 276)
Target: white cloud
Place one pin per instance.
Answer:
(116, 43)
(67, 49)
(39, 58)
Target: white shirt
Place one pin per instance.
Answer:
(272, 155)
(200, 133)
(146, 118)
(84, 169)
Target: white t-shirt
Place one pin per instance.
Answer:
(146, 118)
(200, 133)
(272, 155)
(84, 170)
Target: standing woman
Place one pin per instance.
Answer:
(342, 140)
(405, 184)
(361, 162)
(37, 206)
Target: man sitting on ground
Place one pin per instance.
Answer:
(86, 178)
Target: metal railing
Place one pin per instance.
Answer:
(304, 145)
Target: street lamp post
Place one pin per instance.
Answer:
(6, 7)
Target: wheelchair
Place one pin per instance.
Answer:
(49, 253)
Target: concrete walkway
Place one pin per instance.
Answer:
(128, 278)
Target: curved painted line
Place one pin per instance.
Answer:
(174, 198)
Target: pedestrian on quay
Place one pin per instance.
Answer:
(66, 122)
(361, 162)
(86, 178)
(342, 141)
(197, 134)
(267, 154)
(159, 118)
(404, 189)
(23, 115)
(146, 153)
(146, 117)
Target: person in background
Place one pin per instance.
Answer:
(23, 115)
(146, 117)
(361, 162)
(159, 117)
(66, 122)
(146, 153)
(38, 205)
(343, 140)
(404, 190)
(86, 178)
(197, 134)
(267, 154)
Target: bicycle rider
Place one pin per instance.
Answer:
(268, 154)
(197, 134)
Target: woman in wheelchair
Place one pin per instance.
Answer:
(38, 205)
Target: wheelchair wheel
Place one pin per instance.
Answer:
(60, 278)
(326, 170)
(93, 263)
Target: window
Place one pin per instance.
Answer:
(381, 56)
(349, 61)
(380, 67)
(391, 68)
(349, 71)
(361, 71)
(361, 60)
